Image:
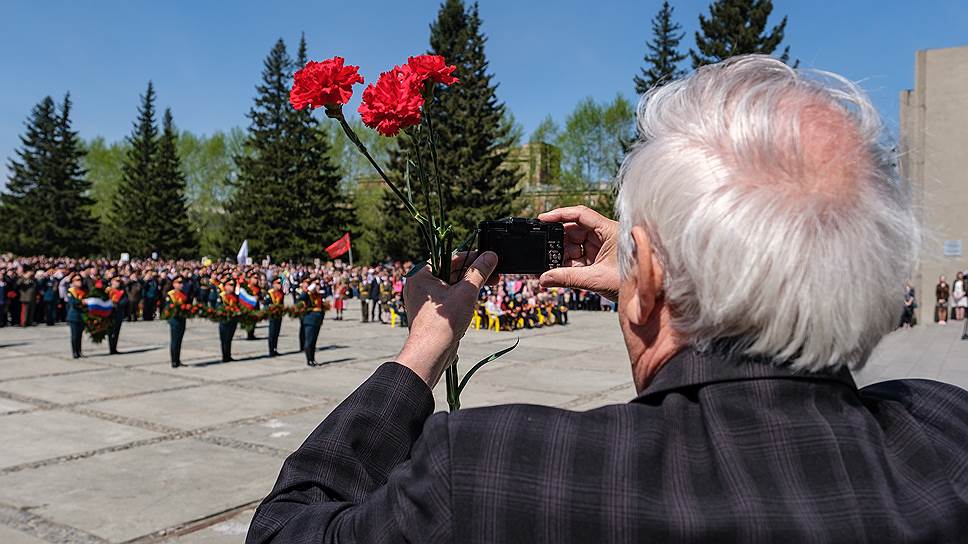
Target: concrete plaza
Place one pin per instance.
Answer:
(124, 448)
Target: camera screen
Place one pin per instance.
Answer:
(521, 252)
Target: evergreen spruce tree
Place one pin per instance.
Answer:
(263, 207)
(47, 207)
(177, 238)
(73, 229)
(288, 201)
(472, 141)
(737, 27)
(136, 216)
(325, 209)
(662, 60)
(24, 202)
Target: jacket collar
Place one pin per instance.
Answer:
(691, 367)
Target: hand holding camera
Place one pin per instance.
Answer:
(590, 256)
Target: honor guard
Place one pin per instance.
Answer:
(301, 299)
(312, 320)
(174, 299)
(275, 298)
(252, 289)
(75, 313)
(119, 297)
(226, 329)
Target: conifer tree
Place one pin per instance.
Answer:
(472, 140)
(23, 201)
(262, 208)
(737, 27)
(325, 208)
(662, 60)
(47, 208)
(177, 238)
(73, 229)
(136, 218)
(288, 201)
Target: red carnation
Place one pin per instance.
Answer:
(324, 83)
(433, 67)
(393, 103)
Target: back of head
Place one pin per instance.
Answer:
(775, 209)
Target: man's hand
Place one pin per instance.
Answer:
(439, 315)
(590, 252)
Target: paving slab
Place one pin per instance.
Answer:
(7, 406)
(200, 406)
(9, 535)
(285, 432)
(47, 434)
(229, 531)
(37, 365)
(332, 381)
(126, 494)
(72, 388)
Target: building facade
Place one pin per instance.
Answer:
(934, 157)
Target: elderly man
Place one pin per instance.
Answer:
(748, 426)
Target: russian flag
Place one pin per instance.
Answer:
(247, 300)
(98, 306)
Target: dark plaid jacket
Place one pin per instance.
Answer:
(715, 450)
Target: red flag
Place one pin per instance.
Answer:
(339, 247)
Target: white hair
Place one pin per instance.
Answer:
(775, 209)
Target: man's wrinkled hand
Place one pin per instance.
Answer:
(590, 260)
(439, 314)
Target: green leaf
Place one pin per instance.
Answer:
(416, 268)
(483, 362)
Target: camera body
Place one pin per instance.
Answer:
(523, 246)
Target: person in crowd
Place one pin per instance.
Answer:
(302, 301)
(365, 296)
(942, 293)
(119, 297)
(313, 320)
(340, 292)
(151, 292)
(747, 427)
(3, 297)
(374, 291)
(226, 328)
(275, 297)
(134, 289)
(959, 296)
(176, 323)
(28, 298)
(907, 315)
(75, 313)
(50, 297)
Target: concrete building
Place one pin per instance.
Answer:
(934, 156)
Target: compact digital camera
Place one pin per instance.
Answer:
(523, 246)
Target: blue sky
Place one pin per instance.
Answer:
(205, 56)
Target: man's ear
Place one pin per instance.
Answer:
(645, 279)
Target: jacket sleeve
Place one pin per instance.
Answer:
(375, 471)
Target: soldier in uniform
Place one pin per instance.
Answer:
(175, 298)
(120, 299)
(75, 313)
(275, 297)
(226, 329)
(253, 289)
(300, 295)
(313, 320)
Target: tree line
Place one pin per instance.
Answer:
(287, 183)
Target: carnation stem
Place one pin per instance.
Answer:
(351, 134)
(433, 156)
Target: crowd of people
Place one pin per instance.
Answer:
(952, 300)
(38, 290)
